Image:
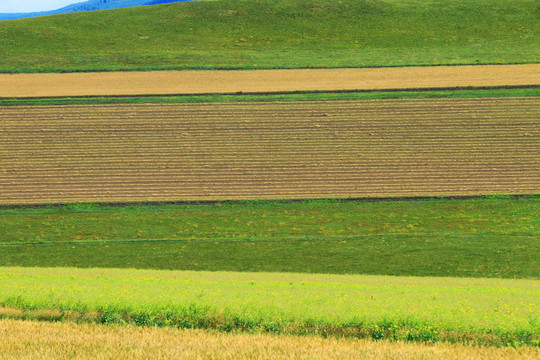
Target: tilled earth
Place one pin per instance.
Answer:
(166, 152)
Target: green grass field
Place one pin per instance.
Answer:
(481, 311)
(490, 237)
(250, 34)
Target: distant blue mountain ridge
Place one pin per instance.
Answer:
(90, 5)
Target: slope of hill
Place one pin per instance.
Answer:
(233, 34)
(90, 5)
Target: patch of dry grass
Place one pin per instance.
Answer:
(66, 340)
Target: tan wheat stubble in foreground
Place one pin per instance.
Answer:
(269, 150)
(42, 340)
(249, 81)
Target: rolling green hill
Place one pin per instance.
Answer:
(249, 34)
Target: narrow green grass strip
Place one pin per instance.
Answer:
(478, 311)
(480, 256)
(270, 219)
(304, 96)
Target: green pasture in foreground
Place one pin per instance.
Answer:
(484, 311)
(249, 34)
(299, 96)
(490, 237)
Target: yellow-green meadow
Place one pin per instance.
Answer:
(483, 311)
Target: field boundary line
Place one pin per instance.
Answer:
(247, 68)
(293, 92)
(266, 201)
(252, 239)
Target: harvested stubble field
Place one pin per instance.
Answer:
(54, 154)
(264, 81)
(93, 341)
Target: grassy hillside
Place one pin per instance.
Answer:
(474, 238)
(88, 5)
(276, 34)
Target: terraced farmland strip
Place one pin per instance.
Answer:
(264, 81)
(55, 154)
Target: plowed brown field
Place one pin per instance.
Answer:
(51, 154)
(249, 81)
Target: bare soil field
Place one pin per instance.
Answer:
(161, 152)
(264, 81)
